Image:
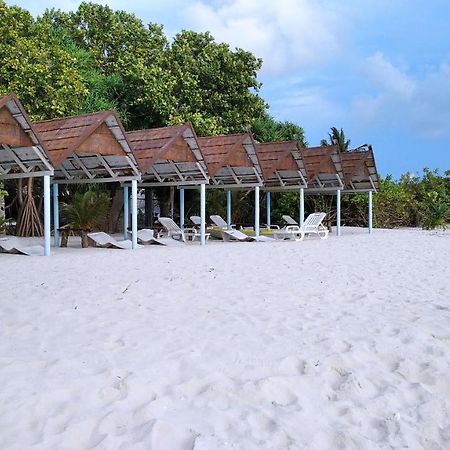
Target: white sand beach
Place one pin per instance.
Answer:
(336, 344)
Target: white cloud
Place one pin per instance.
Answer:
(287, 34)
(419, 103)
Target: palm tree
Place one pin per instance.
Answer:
(87, 210)
(337, 137)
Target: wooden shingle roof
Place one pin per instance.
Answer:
(169, 155)
(281, 164)
(323, 167)
(21, 150)
(231, 160)
(360, 172)
(89, 146)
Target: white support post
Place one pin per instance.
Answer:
(202, 214)
(338, 212)
(126, 212)
(229, 198)
(55, 215)
(370, 213)
(302, 207)
(182, 208)
(268, 218)
(47, 215)
(257, 211)
(133, 214)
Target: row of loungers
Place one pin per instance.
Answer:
(173, 233)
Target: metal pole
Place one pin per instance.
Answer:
(229, 198)
(47, 215)
(202, 214)
(133, 214)
(126, 212)
(338, 212)
(182, 208)
(370, 212)
(268, 209)
(257, 211)
(55, 215)
(302, 207)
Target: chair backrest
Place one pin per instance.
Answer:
(196, 220)
(169, 224)
(219, 221)
(289, 220)
(313, 221)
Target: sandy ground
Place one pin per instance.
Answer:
(337, 344)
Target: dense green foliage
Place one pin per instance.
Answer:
(267, 129)
(411, 201)
(96, 58)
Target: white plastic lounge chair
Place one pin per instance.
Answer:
(219, 222)
(233, 234)
(173, 230)
(289, 220)
(312, 225)
(104, 240)
(13, 245)
(146, 236)
(194, 233)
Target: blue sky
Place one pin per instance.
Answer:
(380, 69)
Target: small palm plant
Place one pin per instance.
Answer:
(87, 210)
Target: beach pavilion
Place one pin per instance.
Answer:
(22, 154)
(287, 166)
(90, 148)
(233, 164)
(360, 174)
(171, 156)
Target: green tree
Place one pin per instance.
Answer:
(216, 88)
(126, 53)
(36, 68)
(267, 129)
(337, 137)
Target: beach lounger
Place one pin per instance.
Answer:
(194, 232)
(233, 234)
(146, 236)
(104, 240)
(172, 229)
(219, 222)
(312, 225)
(289, 220)
(13, 245)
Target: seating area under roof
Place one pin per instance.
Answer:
(169, 156)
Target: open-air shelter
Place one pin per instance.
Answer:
(171, 156)
(317, 170)
(90, 148)
(22, 154)
(233, 164)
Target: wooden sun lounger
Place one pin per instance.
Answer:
(12, 245)
(104, 240)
